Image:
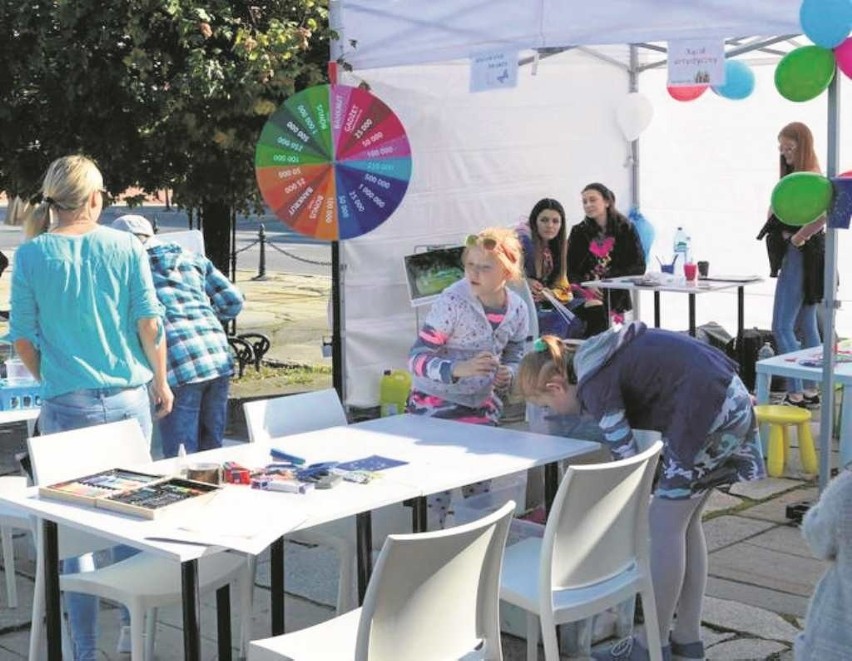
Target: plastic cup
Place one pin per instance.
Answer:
(690, 271)
(667, 268)
(703, 269)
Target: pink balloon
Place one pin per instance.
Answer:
(688, 93)
(846, 175)
(843, 56)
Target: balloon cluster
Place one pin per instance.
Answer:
(739, 84)
(805, 73)
(802, 197)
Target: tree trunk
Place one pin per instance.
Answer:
(216, 227)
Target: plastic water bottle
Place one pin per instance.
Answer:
(681, 247)
(766, 351)
(182, 462)
(393, 392)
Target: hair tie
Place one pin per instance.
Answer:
(539, 345)
(49, 201)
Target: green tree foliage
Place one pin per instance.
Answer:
(160, 92)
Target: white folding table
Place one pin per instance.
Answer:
(440, 454)
(700, 286)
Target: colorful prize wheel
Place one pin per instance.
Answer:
(333, 162)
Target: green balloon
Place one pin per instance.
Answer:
(801, 197)
(803, 74)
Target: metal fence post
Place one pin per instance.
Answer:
(261, 266)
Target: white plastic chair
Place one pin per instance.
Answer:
(321, 409)
(433, 595)
(522, 289)
(293, 414)
(9, 520)
(594, 554)
(143, 582)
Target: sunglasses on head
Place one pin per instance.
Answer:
(487, 242)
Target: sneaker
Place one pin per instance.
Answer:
(124, 642)
(811, 401)
(802, 403)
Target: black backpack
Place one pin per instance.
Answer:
(744, 348)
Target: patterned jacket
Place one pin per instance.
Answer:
(643, 378)
(197, 298)
(456, 329)
(596, 255)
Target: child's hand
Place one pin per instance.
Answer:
(482, 364)
(503, 377)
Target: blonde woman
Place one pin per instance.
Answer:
(86, 322)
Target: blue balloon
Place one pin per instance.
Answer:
(826, 22)
(644, 229)
(739, 81)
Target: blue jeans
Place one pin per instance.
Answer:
(75, 410)
(198, 417)
(790, 314)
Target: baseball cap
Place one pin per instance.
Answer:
(135, 224)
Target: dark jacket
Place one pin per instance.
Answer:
(593, 254)
(813, 256)
(662, 380)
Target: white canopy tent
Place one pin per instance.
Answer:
(484, 159)
(403, 32)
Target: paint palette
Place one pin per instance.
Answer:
(130, 492)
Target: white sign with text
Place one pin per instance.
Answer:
(489, 71)
(696, 62)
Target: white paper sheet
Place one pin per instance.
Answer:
(231, 519)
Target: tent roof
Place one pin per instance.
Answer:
(383, 33)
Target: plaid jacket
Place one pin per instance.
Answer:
(197, 298)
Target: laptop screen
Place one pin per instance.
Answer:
(431, 272)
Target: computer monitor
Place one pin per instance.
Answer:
(431, 272)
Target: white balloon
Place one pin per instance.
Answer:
(634, 115)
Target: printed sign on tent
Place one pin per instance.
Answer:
(696, 62)
(490, 71)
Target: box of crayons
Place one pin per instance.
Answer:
(151, 500)
(87, 490)
(130, 492)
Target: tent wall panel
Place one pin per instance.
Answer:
(479, 160)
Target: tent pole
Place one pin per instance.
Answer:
(829, 298)
(633, 77)
(633, 158)
(338, 319)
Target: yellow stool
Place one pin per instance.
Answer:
(779, 419)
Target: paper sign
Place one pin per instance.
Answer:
(696, 62)
(490, 71)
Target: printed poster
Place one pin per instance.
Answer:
(489, 71)
(696, 62)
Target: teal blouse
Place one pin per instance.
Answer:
(78, 300)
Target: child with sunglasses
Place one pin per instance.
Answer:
(640, 378)
(471, 343)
